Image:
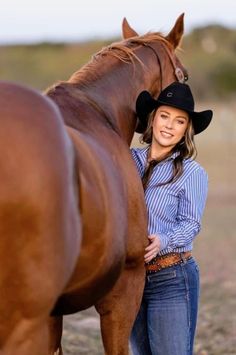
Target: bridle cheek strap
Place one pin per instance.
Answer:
(177, 70)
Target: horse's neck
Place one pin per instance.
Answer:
(114, 93)
(116, 103)
(106, 92)
(87, 109)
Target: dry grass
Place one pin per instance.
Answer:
(214, 250)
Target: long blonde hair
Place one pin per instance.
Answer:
(186, 149)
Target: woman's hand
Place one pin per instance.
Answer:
(153, 248)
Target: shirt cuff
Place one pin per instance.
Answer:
(164, 241)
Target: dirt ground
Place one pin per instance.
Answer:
(214, 250)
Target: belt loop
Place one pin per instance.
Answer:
(183, 258)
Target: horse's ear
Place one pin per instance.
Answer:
(175, 35)
(127, 30)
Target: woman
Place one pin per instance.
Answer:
(175, 192)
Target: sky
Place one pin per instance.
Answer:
(29, 21)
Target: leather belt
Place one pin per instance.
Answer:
(163, 261)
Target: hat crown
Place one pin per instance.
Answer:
(179, 95)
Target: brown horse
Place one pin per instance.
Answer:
(72, 210)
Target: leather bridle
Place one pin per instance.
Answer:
(179, 74)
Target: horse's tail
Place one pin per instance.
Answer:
(39, 223)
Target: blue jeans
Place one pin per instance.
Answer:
(166, 322)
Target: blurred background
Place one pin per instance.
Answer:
(44, 41)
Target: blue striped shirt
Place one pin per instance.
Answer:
(174, 210)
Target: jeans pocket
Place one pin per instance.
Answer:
(162, 276)
(160, 282)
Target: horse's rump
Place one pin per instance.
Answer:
(39, 220)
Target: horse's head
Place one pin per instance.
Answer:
(111, 82)
(168, 66)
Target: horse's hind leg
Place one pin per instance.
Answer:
(119, 308)
(59, 351)
(55, 334)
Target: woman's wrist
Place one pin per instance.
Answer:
(164, 240)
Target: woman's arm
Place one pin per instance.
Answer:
(190, 211)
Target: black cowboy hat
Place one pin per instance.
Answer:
(177, 95)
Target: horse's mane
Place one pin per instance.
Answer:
(122, 50)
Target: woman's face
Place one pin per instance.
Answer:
(169, 126)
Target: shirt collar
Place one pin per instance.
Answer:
(144, 153)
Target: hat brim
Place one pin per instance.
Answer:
(200, 120)
(145, 104)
